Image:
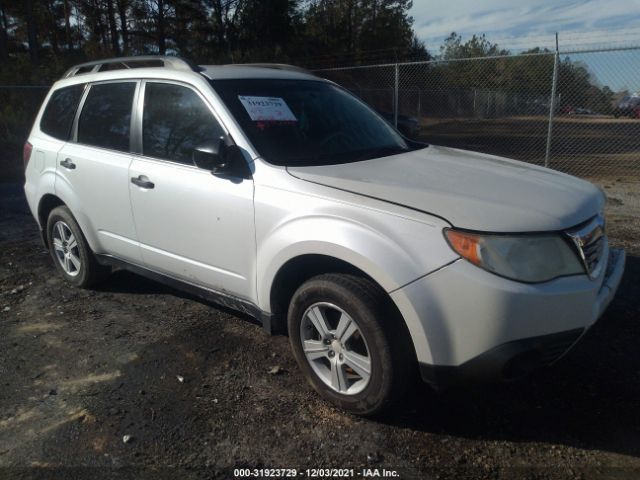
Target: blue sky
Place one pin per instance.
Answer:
(518, 25)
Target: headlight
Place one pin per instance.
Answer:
(526, 258)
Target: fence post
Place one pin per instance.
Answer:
(552, 103)
(395, 96)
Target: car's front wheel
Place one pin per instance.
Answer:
(70, 251)
(349, 344)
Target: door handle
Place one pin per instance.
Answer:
(142, 181)
(68, 164)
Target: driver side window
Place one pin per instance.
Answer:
(175, 121)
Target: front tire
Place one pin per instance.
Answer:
(350, 344)
(70, 251)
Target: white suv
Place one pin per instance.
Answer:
(280, 194)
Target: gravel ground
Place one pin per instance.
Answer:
(193, 387)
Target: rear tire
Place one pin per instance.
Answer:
(350, 343)
(70, 251)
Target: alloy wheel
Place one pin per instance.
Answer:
(66, 248)
(335, 348)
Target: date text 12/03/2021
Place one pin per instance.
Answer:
(315, 473)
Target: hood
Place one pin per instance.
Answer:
(470, 190)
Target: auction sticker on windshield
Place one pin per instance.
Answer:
(267, 109)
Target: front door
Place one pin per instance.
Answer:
(191, 225)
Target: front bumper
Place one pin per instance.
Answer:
(470, 326)
(504, 362)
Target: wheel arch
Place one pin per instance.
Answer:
(65, 193)
(47, 203)
(297, 270)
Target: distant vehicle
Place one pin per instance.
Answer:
(566, 110)
(629, 106)
(408, 126)
(535, 107)
(582, 111)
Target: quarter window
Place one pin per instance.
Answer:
(176, 121)
(59, 112)
(105, 120)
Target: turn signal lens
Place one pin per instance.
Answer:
(467, 245)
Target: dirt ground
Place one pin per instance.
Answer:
(581, 145)
(191, 385)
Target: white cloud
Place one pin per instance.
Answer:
(521, 24)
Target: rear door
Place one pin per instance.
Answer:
(93, 168)
(48, 138)
(191, 225)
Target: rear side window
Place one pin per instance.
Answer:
(60, 111)
(105, 120)
(176, 121)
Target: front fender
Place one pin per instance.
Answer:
(333, 237)
(391, 249)
(394, 253)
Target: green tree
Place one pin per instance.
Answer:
(265, 30)
(477, 46)
(358, 31)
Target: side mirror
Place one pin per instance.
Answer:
(211, 156)
(221, 159)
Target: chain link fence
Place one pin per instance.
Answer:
(578, 111)
(574, 111)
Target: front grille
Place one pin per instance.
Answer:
(590, 241)
(593, 253)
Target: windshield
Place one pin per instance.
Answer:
(304, 122)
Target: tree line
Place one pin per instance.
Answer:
(46, 36)
(502, 82)
(529, 73)
(39, 39)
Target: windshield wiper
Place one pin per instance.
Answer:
(321, 159)
(385, 151)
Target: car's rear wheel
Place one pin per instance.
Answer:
(70, 251)
(350, 343)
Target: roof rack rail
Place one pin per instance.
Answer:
(141, 61)
(276, 66)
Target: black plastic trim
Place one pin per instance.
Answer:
(272, 323)
(508, 361)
